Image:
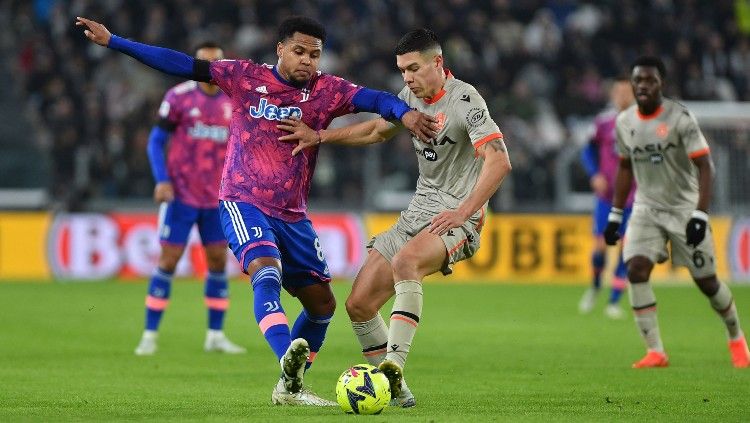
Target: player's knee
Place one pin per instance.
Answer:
(708, 286)
(322, 306)
(168, 262)
(404, 266)
(216, 260)
(358, 309)
(639, 269)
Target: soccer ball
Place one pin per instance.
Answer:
(363, 389)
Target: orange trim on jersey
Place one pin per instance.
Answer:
(656, 113)
(699, 153)
(481, 221)
(435, 98)
(454, 249)
(487, 139)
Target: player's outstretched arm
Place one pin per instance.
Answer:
(495, 168)
(162, 59)
(390, 107)
(363, 133)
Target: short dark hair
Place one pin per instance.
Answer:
(651, 61)
(303, 25)
(420, 40)
(207, 44)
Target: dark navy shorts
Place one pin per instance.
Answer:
(252, 234)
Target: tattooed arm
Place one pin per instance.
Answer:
(496, 166)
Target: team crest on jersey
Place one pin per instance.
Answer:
(269, 111)
(441, 118)
(662, 130)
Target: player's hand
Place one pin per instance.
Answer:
(95, 31)
(446, 221)
(163, 192)
(421, 125)
(695, 231)
(612, 231)
(303, 135)
(599, 184)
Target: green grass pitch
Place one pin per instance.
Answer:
(482, 353)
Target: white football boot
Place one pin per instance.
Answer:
(614, 312)
(281, 396)
(588, 301)
(406, 399)
(147, 346)
(216, 341)
(293, 365)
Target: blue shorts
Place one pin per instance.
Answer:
(176, 219)
(601, 212)
(252, 234)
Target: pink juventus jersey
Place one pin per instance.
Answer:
(260, 169)
(195, 157)
(609, 160)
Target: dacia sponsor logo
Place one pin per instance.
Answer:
(269, 111)
(650, 149)
(216, 133)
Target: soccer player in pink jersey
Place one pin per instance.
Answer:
(264, 188)
(600, 159)
(194, 118)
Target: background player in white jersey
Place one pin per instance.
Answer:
(459, 170)
(661, 145)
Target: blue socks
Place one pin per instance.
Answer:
(268, 311)
(216, 299)
(597, 263)
(313, 329)
(157, 298)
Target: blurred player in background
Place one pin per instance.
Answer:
(600, 159)
(264, 189)
(661, 145)
(459, 170)
(194, 118)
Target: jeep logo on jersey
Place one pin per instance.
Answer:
(216, 133)
(272, 112)
(429, 154)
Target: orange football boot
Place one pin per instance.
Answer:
(652, 359)
(740, 353)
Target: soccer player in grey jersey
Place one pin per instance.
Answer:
(459, 170)
(661, 145)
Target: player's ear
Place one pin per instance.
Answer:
(279, 49)
(438, 60)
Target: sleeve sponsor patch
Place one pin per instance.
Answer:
(476, 117)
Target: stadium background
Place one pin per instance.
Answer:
(75, 184)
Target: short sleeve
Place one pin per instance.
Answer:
(622, 150)
(224, 73)
(341, 92)
(169, 109)
(691, 136)
(472, 111)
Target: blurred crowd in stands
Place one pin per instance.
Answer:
(542, 66)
